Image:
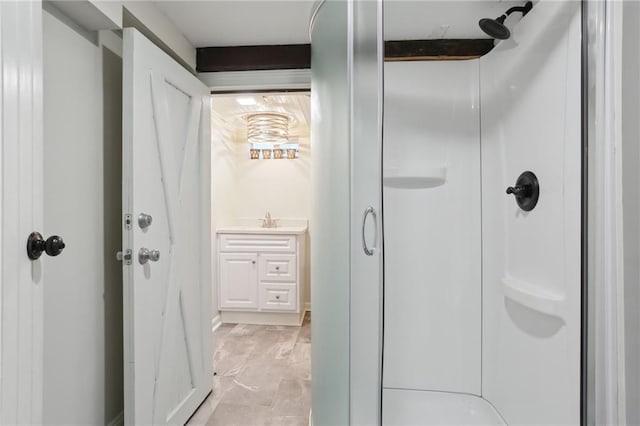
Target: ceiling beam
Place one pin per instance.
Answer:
(253, 58)
(298, 56)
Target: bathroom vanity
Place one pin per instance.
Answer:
(262, 274)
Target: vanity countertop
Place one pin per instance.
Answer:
(240, 229)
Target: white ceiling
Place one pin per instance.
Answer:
(260, 22)
(296, 105)
(427, 19)
(240, 22)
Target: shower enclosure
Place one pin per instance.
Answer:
(448, 229)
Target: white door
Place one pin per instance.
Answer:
(166, 168)
(238, 281)
(22, 280)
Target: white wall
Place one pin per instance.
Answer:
(432, 229)
(83, 292)
(281, 187)
(530, 92)
(247, 189)
(223, 172)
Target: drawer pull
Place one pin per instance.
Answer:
(277, 268)
(278, 297)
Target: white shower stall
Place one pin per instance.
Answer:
(462, 307)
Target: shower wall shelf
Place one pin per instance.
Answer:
(415, 179)
(532, 296)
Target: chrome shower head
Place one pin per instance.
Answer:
(496, 28)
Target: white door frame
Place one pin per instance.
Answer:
(231, 81)
(21, 338)
(603, 279)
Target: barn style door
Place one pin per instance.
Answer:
(166, 236)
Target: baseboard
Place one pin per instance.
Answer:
(215, 323)
(307, 307)
(262, 318)
(117, 420)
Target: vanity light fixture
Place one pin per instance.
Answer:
(268, 127)
(268, 136)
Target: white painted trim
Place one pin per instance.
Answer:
(117, 420)
(66, 16)
(606, 385)
(215, 323)
(91, 15)
(111, 41)
(307, 307)
(262, 318)
(159, 27)
(257, 80)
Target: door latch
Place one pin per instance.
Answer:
(124, 257)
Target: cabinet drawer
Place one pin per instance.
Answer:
(253, 243)
(278, 297)
(277, 267)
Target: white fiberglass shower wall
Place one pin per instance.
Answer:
(482, 299)
(432, 226)
(530, 114)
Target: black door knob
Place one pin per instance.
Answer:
(36, 245)
(54, 245)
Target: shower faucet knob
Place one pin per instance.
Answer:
(516, 190)
(526, 191)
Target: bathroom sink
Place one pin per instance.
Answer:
(242, 229)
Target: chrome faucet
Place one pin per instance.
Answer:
(268, 222)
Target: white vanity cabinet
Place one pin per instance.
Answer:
(241, 272)
(261, 275)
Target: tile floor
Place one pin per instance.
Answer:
(263, 376)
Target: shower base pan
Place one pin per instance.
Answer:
(413, 407)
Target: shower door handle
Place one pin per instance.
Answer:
(368, 251)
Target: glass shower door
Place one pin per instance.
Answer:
(346, 225)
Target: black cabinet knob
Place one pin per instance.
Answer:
(36, 245)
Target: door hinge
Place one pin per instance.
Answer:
(127, 221)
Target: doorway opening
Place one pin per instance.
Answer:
(261, 193)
